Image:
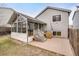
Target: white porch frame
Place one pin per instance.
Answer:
(17, 35)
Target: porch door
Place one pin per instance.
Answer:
(30, 30)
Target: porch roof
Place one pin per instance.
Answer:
(33, 20)
(36, 21)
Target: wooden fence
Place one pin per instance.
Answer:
(4, 31)
(74, 39)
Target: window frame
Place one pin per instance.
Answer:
(56, 18)
(56, 33)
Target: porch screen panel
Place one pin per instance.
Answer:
(19, 27)
(40, 26)
(14, 27)
(30, 26)
(36, 26)
(23, 27)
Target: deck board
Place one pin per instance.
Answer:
(58, 45)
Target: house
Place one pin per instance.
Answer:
(57, 20)
(25, 27)
(6, 16)
(76, 19)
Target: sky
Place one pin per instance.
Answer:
(33, 9)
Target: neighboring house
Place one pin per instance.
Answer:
(6, 16)
(57, 20)
(76, 19)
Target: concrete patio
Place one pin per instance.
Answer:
(57, 45)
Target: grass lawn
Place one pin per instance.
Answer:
(11, 48)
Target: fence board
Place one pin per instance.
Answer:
(74, 39)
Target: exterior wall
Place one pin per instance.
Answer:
(20, 36)
(58, 25)
(76, 20)
(5, 15)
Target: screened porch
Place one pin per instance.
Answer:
(24, 27)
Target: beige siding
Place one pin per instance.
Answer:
(57, 26)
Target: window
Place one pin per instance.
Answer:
(55, 33)
(58, 33)
(56, 18)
